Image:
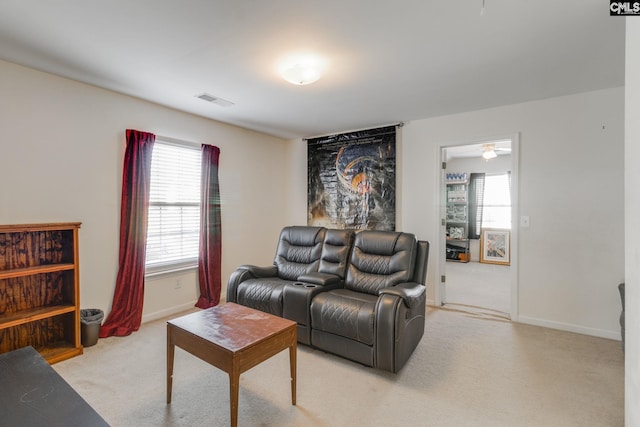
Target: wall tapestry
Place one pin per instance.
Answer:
(352, 180)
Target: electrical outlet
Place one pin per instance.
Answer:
(525, 221)
(178, 284)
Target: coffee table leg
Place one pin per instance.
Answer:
(234, 384)
(170, 354)
(292, 365)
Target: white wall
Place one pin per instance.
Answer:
(297, 182)
(632, 224)
(62, 144)
(571, 185)
(61, 153)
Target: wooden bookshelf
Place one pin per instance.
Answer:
(39, 289)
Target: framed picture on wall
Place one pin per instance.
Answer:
(495, 246)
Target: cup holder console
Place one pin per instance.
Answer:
(305, 285)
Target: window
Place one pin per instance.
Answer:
(174, 208)
(496, 202)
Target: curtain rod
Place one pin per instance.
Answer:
(399, 124)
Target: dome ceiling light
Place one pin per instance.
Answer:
(299, 74)
(301, 68)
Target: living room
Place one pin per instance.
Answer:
(63, 144)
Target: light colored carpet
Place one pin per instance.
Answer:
(478, 287)
(465, 372)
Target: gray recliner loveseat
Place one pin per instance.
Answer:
(358, 295)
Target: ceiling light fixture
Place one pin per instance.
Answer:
(489, 152)
(299, 74)
(301, 68)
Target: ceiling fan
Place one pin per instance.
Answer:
(489, 151)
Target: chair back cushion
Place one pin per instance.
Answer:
(380, 259)
(299, 250)
(335, 252)
(422, 259)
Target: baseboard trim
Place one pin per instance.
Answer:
(168, 311)
(568, 327)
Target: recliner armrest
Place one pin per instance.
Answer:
(256, 271)
(245, 272)
(320, 279)
(410, 293)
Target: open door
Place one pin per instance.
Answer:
(467, 157)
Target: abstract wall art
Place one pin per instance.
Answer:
(352, 180)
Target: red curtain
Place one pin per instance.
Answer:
(126, 311)
(210, 257)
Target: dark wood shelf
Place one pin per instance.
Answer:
(33, 314)
(59, 351)
(52, 226)
(40, 269)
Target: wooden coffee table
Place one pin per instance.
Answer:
(232, 338)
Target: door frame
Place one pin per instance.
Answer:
(440, 288)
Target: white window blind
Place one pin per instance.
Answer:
(174, 207)
(496, 203)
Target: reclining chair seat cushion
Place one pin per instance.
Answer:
(264, 294)
(345, 313)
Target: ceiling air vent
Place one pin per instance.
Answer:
(215, 100)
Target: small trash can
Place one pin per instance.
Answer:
(90, 321)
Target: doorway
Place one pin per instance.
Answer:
(471, 279)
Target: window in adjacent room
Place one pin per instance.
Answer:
(174, 208)
(496, 202)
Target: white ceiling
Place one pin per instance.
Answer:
(389, 61)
